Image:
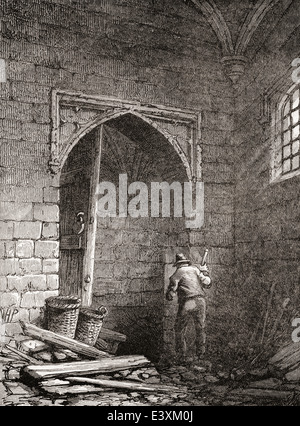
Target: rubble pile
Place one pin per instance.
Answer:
(40, 362)
(36, 371)
(286, 363)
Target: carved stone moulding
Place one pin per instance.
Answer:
(74, 115)
(234, 66)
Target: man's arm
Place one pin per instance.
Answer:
(172, 289)
(203, 274)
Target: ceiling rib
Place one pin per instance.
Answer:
(234, 59)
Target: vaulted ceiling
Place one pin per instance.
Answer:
(236, 23)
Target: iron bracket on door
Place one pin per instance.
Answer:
(80, 219)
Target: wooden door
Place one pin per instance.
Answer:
(78, 219)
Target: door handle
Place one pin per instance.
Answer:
(87, 281)
(80, 219)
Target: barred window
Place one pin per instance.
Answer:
(290, 133)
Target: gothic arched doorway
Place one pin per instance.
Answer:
(119, 262)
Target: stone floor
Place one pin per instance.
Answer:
(198, 386)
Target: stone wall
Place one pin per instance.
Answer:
(152, 52)
(267, 214)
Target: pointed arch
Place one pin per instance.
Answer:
(109, 116)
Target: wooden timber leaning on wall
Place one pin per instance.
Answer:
(62, 341)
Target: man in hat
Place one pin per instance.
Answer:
(189, 282)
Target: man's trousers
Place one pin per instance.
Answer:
(191, 309)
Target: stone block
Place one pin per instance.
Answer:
(36, 282)
(143, 270)
(152, 299)
(28, 230)
(22, 315)
(9, 299)
(105, 270)
(30, 92)
(50, 231)
(28, 283)
(13, 329)
(31, 266)
(17, 284)
(21, 71)
(2, 249)
(3, 284)
(40, 114)
(120, 271)
(6, 230)
(50, 293)
(51, 195)
(47, 249)
(32, 300)
(153, 284)
(9, 267)
(137, 237)
(10, 249)
(109, 236)
(104, 287)
(16, 211)
(52, 282)
(217, 121)
(35, 314)
(28, 300)
(15, 110)
(46, 212)
(136, 285)
(50, 266)
(24, 248)
(36, 131)
(131, 299)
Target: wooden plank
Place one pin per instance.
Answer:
(101, 345)
(71, 390)
(89, 255)
(289, 363)
(62, 341)
(293, 376)
(70, 272)
(104, 365)
(261, 393)
(132, 386)
(106, 334)
(55, 382)
(288, 351)
(23, 356)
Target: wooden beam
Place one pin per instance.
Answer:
(132, 386)
(24, 356)
(89, 255)
(67, 389)
(62, 341)
(106, 334)
(104, 365)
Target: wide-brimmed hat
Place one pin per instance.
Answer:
(181, 259)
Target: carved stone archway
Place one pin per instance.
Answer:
(74, 115)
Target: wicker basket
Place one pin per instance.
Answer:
(62, 314)
(89, 325)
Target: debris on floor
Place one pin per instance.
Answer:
(38, 368)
